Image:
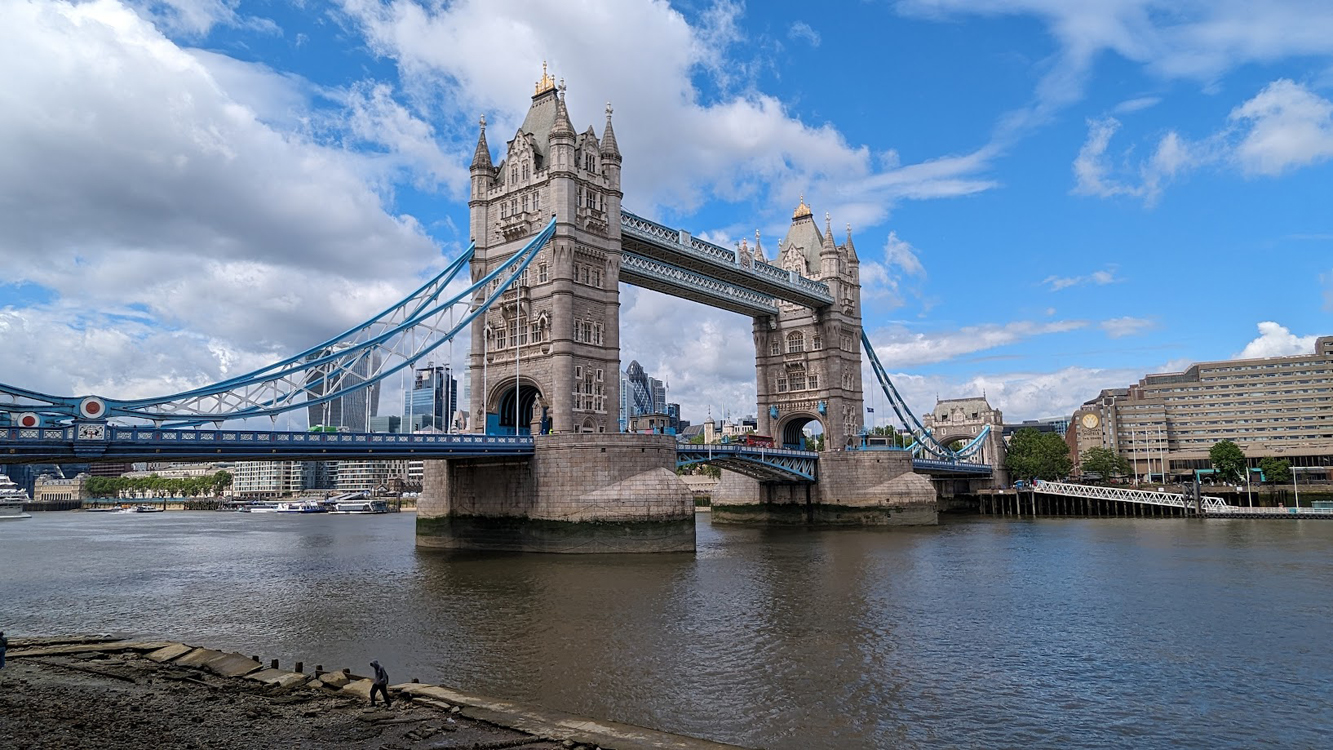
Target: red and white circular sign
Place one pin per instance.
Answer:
(28, 419)
(92, 407)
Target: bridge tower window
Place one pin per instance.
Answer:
(525, 170)
(797, 380)
(543, 275)
(782, 384)
(774, 347)
(525, 204)
(795, 343)
(500, 337)
(536, 202)
(817, 343)
(813, 381)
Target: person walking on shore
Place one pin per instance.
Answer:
(4, 645)
(380, 683)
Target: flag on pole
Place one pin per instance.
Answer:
(870, 409)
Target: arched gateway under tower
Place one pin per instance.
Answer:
(545, 359)
(808, 360)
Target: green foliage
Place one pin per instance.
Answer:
(815, 443)
(1038, 455)
(1228, 460)
(1105, 462)
(155, 486)
(1276, 470)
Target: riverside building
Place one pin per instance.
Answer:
(1279, 407)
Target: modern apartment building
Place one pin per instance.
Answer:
(1278, 407)
(269, 478)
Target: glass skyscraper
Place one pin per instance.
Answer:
(432, 400)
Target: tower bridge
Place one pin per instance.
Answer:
(545, 467)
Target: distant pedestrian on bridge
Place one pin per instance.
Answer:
(380, 683)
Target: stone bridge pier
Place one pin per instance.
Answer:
(577, 493)
(855, 488)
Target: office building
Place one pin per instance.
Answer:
(352, 411)
(432, 399)
(1280, 407)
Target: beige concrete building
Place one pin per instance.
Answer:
(49, 489)
(1278, 407)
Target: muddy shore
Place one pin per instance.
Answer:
(113, 694)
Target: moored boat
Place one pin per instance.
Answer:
(362, 507)
(12, 498)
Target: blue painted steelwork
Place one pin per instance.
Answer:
(944, 468)
(99, 441)
(943, 455)
(390, 342)
(678, 249)
(764, 464)
(681, 282)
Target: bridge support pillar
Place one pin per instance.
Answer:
(579, 493)
(855, 488)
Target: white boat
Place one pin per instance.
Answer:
(261, 508)
(12, 498)
(143, 508)
(302, 506)
(362, 507)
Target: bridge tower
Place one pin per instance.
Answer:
(808, 361)
(545, 361)
(545, 357)
(962, 419)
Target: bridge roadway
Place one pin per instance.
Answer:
(102, 442)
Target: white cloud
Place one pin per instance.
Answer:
(643, 57)
(1275, 340)
(1289, 126)
(900, 347)
(1126, 326)
(1020, 395)
(901, 254)
(197, 17)
(148, 187)
(803, 31)
(1099, 278)
(1283, 127)
(705, 355)
(1134, 105)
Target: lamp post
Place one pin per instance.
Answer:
(1296, 487)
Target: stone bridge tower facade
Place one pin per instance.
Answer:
(545, 358)
(808, 362)
(963, 419)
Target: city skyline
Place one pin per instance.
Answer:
(1048, 202)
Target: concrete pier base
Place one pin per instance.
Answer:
(855, 488)
(584, 493)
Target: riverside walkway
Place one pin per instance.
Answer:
(1067, 499)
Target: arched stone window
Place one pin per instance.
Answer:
(795, 343)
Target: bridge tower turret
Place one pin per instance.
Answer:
(808, 362)
(545, 357)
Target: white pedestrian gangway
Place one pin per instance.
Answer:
(1186, 503)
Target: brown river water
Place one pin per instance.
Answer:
(977, 633)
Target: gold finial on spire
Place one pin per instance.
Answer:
(801, 210)
(546, 83)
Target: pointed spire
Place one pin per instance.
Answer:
(481, 158)
(562, 127)
(546, 83)
(802, 210)
(758, 248)
(610, 149)
(849, 247)
(829, 246)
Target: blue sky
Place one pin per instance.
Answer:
(1049, 197)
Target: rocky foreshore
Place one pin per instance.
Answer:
(109, 694)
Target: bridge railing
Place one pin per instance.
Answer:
(1128, 495)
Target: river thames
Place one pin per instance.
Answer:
(977, 633)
